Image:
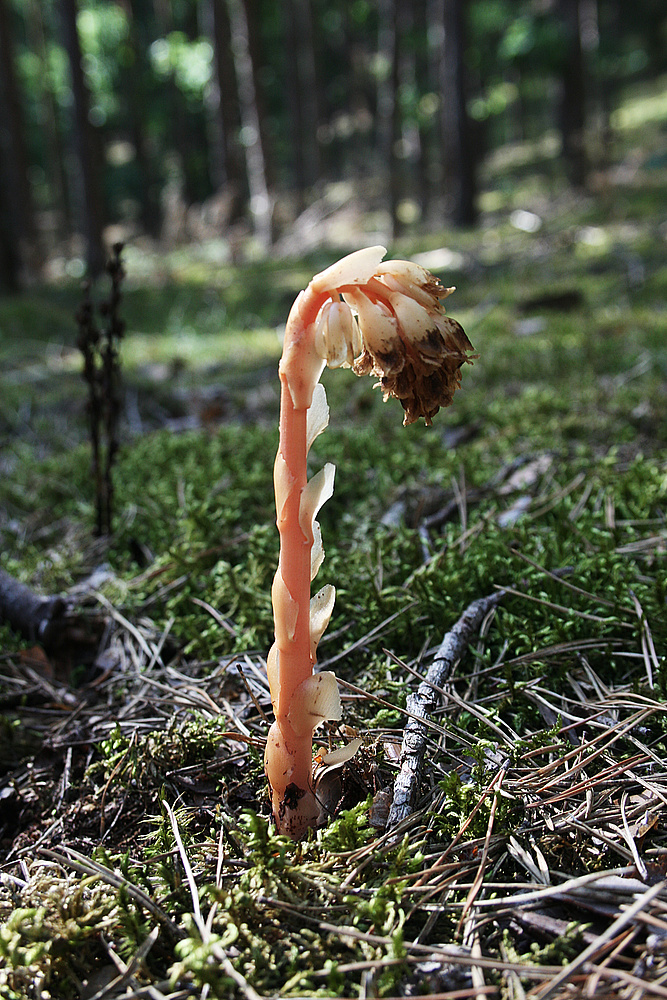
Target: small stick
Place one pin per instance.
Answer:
(421, 704)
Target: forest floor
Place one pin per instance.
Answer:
(137, 858)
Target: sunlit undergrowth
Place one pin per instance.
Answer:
(199, 507)
(134, 815)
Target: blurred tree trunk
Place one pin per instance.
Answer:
(389, 111)
(19, 227)
(426, 86)
(228, 167)
(253, 20)
(611, 30)
(589, 31)
(136, 93)
(10, 264)
(354, 144)
(459, 155)
(434, 167)
(50, 120)
(302, 95)
(86, 147)
(183, 141)
(573, 93)
(409, 150)
(261, 208)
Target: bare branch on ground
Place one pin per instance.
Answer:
(48, 620)
(421, 704)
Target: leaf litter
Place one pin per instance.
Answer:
(531, 865)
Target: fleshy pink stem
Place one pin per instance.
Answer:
(289, 758)
(294, 563)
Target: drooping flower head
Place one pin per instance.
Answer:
(393, 325)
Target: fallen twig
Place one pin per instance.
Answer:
(35, 617)
(420, 705)
(49, 620)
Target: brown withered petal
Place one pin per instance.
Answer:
(363, 365)
(455, 337)
(423, 375)
(421, 390)
(401, 334)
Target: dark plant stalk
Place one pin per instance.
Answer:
(111, 379)
(87, 343)
(101, 372)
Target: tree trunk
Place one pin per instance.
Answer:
(228, 167)
(137, 99)
(310, 89)
(302, 95)
(19, 220)
(389, 113)
(351, 156)
(54, 157)
(253, 19)
(573, 93)
(425, 131)
(86, 147)
(435, 166)
(459, 153)
(261, 208)
(10, 265)
(409, 141)
(183, 140)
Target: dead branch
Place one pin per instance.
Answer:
(26, 612)
(47, 620)
(421, 704)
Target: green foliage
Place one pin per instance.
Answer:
(348, 831)
(200, 960)
(103, 31)
(558, 952)
(188, 62)
(147, 758)
(22, 941)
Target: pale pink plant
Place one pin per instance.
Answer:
(383, 319)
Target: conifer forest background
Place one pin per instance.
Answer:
(178, 120)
